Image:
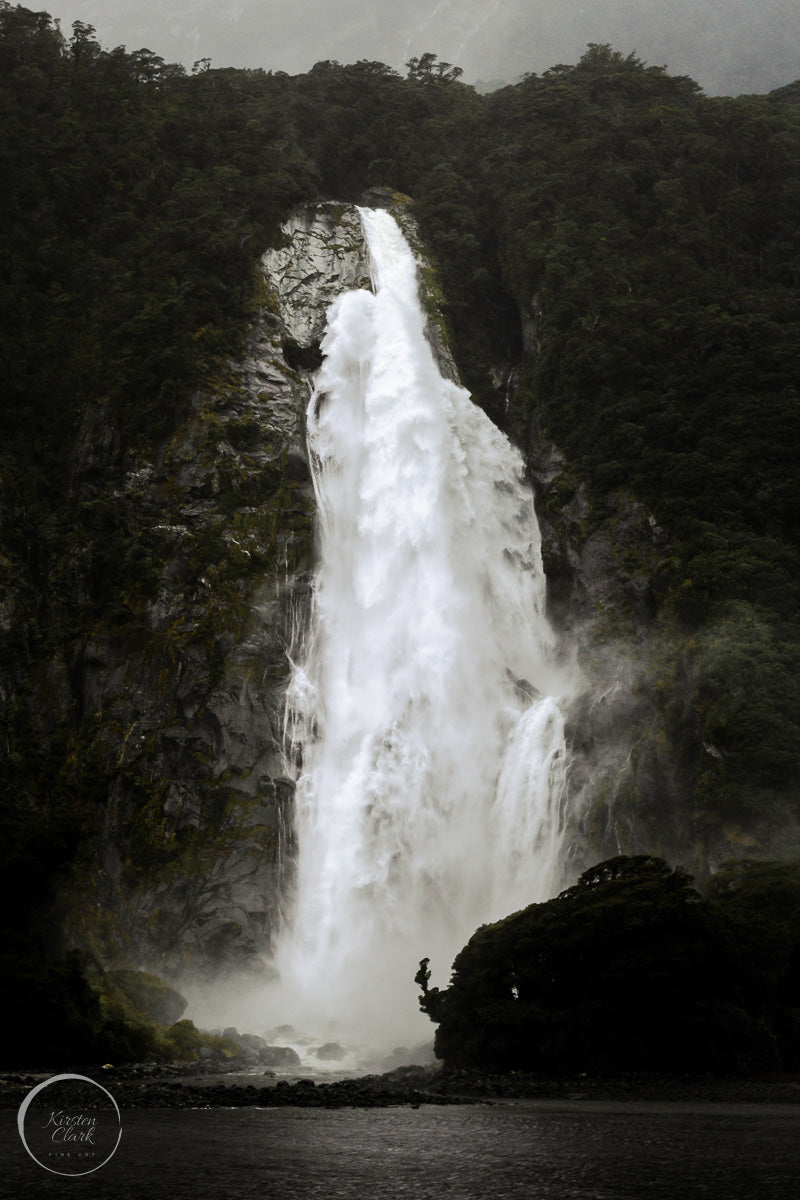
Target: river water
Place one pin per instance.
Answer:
(528, 1150)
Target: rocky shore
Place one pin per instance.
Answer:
(201, 1085)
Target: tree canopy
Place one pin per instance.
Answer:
(631, 969)
(620, 259)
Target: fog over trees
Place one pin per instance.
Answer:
(728, 46)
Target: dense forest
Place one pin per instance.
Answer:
(620, 263)
(632, 969)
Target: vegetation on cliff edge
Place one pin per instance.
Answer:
(632, 969)
(630, 247)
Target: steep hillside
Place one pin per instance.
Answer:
(616, 277)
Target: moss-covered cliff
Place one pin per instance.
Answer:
(616, 278)
(162, 715)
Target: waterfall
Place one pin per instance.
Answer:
(421, 711)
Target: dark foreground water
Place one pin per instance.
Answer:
(592, 1151)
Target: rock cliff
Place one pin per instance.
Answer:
(164, 712)
(636, 747)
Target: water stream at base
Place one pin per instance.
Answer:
(422, 711)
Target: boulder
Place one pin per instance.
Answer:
(251, 1041)
(331, 1052)
(150, 995)
(286, 1032)
(279, 1056)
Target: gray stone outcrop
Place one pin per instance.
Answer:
(186, 687)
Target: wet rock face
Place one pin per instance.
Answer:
(601, 563)
(331, 1052)
(150, 996)
(279, 1056)
(181, 691)
(325, 256)
(606, 561)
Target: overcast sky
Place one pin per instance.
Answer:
(728, 46)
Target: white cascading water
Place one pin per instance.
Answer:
(421, 706)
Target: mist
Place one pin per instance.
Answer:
(728, 46)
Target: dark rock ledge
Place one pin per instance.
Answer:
(157, 1085)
